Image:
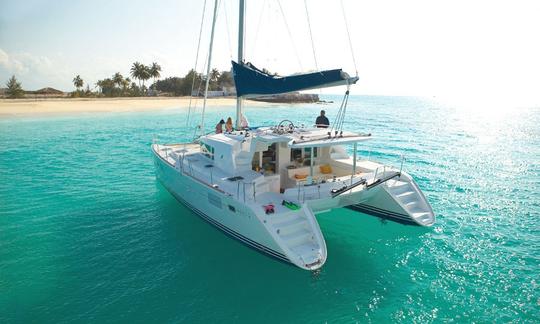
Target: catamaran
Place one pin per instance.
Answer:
(264, 185)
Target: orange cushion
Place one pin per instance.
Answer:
(325, 169)
(300, 176)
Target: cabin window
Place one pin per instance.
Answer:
(307, 152)
(207, 150)
(296, 154)
(303, 156)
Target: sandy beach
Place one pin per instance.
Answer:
(44, 107)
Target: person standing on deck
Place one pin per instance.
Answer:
(322, 121)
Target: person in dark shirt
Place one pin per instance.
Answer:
(322, 121)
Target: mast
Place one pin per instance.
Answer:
(209, 66)
(241, 20)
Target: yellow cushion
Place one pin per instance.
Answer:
(325, 169)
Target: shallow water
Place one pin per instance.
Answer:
(87, 233)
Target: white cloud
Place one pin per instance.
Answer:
(34, 71)
(11, 64)
(4, 58)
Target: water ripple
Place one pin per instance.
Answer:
(83, 219)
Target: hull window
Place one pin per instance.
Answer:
(214, 200)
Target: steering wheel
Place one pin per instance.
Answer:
(281, 126)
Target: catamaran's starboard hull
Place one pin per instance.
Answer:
(398, 200)
(383, 214)
(237, 222)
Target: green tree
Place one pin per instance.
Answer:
(125, 86)
(107, 87)
(14, 88)
(78, 82)
(137, 71)
(134, 90)
(225, 79)
(214, 77)
(155, 70)
(145, 74)
(191, 78)
(118, 79)
(170, 85)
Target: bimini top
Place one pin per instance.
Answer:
(250, 81)
(325, 140)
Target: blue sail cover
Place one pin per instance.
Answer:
(251, 81)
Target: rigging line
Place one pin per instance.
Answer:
(345, 101)
(199, 87)
(311, 36)
(349, 36)
(290, 36)
(209, 65)
(258, 26)
(338, 117)
(201, 80)
(345, 109)
(227, 27)
(196, 61)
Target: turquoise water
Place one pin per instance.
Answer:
(88, 235)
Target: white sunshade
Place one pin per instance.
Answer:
(324, 142)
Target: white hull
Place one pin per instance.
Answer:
(231, 196)
(235, 219)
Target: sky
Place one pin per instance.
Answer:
(454, 49)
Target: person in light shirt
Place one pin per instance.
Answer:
(244, 122)
(229, 125)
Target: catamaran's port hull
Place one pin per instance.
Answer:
(218, 209)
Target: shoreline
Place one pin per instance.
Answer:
(66, 106)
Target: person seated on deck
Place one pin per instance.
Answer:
(219, 127)
(229, 125)
(322, 121)
(244, 122)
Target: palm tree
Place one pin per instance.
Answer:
(137, 71)
(154, 71)
(118, 79)
(145, 74)
(78, 82)
(214, 77)
(125, 85)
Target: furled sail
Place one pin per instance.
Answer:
(251, 81)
